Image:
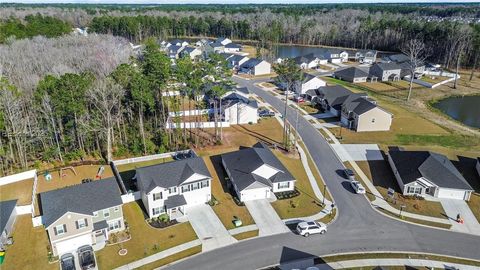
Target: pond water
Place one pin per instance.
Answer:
(464, 109)
(291, 51)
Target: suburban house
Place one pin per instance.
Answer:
(223, 41)
(404, 62)
(386, 72)
(171, 187)
(336, 56)
(8, 214)
(366, 56)
(351, 74)
(191, 52)
(84, 214)
(174, 51)
(307, 61)
(254, 66)
(232, 48)
(235, 60)
(356, 110)
(216, 47)
(179, 42)
(308, 82)
(255, 173)
(425, 173)
(239, 108)
(202, 42)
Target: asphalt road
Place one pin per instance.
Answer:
(358, 227)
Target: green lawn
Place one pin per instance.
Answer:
(145, 240)
(308, 108)
(246, 235)
(20, 191)
(173, 258)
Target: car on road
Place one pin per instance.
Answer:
(349, 174)
(266, 113)
(67, 262)
(307, 228)
(86, 257)
(357, 187)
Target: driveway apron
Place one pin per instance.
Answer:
(453, 207)
(265, 217)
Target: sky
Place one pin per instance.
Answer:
(230, 1)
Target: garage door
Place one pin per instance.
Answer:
(73, 244)
(451, 193)
(255, 194)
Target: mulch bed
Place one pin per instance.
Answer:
(287, 194)
(161, 224)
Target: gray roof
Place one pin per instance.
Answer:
(337, 95)
(189, 49)
(387, 66)
(175, 201)
(243, 90)
(6, 210)
(250, 63)
(170, 174)
(360, 105)
(437, 168)
(83, 198)
(233, 46)
(305, 58)
(216, 44)
(399, 58)
(243, 162)
(178, 41)
(307, 77)
(102, 224)
(175, 49)
(351, 72)
(227, 55)
(236, 58)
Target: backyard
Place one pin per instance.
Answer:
(145, 240)
(21, 191)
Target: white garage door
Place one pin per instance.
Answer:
(451, 193)
(73, 244)
(255, 194)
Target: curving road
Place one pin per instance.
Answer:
(358, 227)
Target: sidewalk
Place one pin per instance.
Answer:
(394, 262)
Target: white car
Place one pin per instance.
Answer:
(311, 227)
(359, 189)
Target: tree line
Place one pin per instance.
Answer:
(33, 25)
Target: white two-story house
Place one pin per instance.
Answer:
(170, 188)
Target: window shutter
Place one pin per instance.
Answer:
(76, 224)
(55, 230)
(65, 227)
(86, 222)
(161, 195)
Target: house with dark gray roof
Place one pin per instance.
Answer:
(179, 42)
(366, 56)
(307, 82)
(83, 214)
(236, 60)
(355, 110)
(386, 71)
(307, 61)
(224, 41)
(172, 187)
(8, 215)
(404, 62)
(352, 74)
(425, 173)
(191, 52)
(256, 173)
(336, 56)
(255, 67)
(174, 51)
(232, 48)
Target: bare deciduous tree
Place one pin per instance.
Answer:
(417, 53)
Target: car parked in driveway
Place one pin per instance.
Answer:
(67, 262)
(357, 187)
(349, 174)
(86, 257)
(307, 228)
(266, 113)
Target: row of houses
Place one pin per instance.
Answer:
(334, 56)
(245, 65)
(356, 111)
(383, 71)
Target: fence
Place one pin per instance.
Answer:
(131, 197)
(150, 157)
(18, 177)
(197, 125)
(23, 209)
(190, 112)
(430, 85)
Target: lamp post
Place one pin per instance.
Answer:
(324, 192)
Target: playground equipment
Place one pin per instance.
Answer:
(63, 173)
(47, 175)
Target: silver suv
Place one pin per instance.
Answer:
(311, 227)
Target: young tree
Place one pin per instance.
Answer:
(289, 73)
(417, 53)
(104, 98)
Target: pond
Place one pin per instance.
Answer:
(464, 109)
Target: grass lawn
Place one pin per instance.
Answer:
(133, 166)
(71, 178)
(433, 79)
(306, 203)
(328, 218)
(308, 108)
(226, 207)
(145, 240)
(267, 85)
(29, 250)
(382, 176)
(175, 257)
(21, 191)
(419, 221)
(246, 235)
(474, 204)
(313, 168)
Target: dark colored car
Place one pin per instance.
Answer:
(349, 174)
(266, 113)
(67, 261)
(86, 257)
(181, 156)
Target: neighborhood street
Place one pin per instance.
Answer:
(358, 228)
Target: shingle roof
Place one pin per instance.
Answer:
(399, 58)
(175, 201)
(351, 72)
(360, 106)
(337, 95)
(170, 174)
(216, 44)
(387, 66)
(189, 49)
(242, 163)
(250, 63)
(243, 90)
(305, 58)
(233, 46)
(307, 77)
(227, 55)
(437, 168)
(83, 198)
(6, 209)
(236, 58)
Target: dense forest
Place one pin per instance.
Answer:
(33, 25)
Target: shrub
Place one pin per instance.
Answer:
(164, 218)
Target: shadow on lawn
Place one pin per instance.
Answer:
(258, 136)
(221, 173)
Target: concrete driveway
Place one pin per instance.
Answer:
(265, 217)
(208, 227)
(453, 207)
(358, 152)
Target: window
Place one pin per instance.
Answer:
(373, 120)
(114, 225)
(95, 214)
(195, 186)
(283, 185)
(185, 188)
(157, 211)
(106, 213)
(81, 223)
(414, 190)
(205, 184)
(116, 209)
(60, 229)
(157, 196)
(172, 190)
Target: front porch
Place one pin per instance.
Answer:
(100, 234)
(175, 207)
